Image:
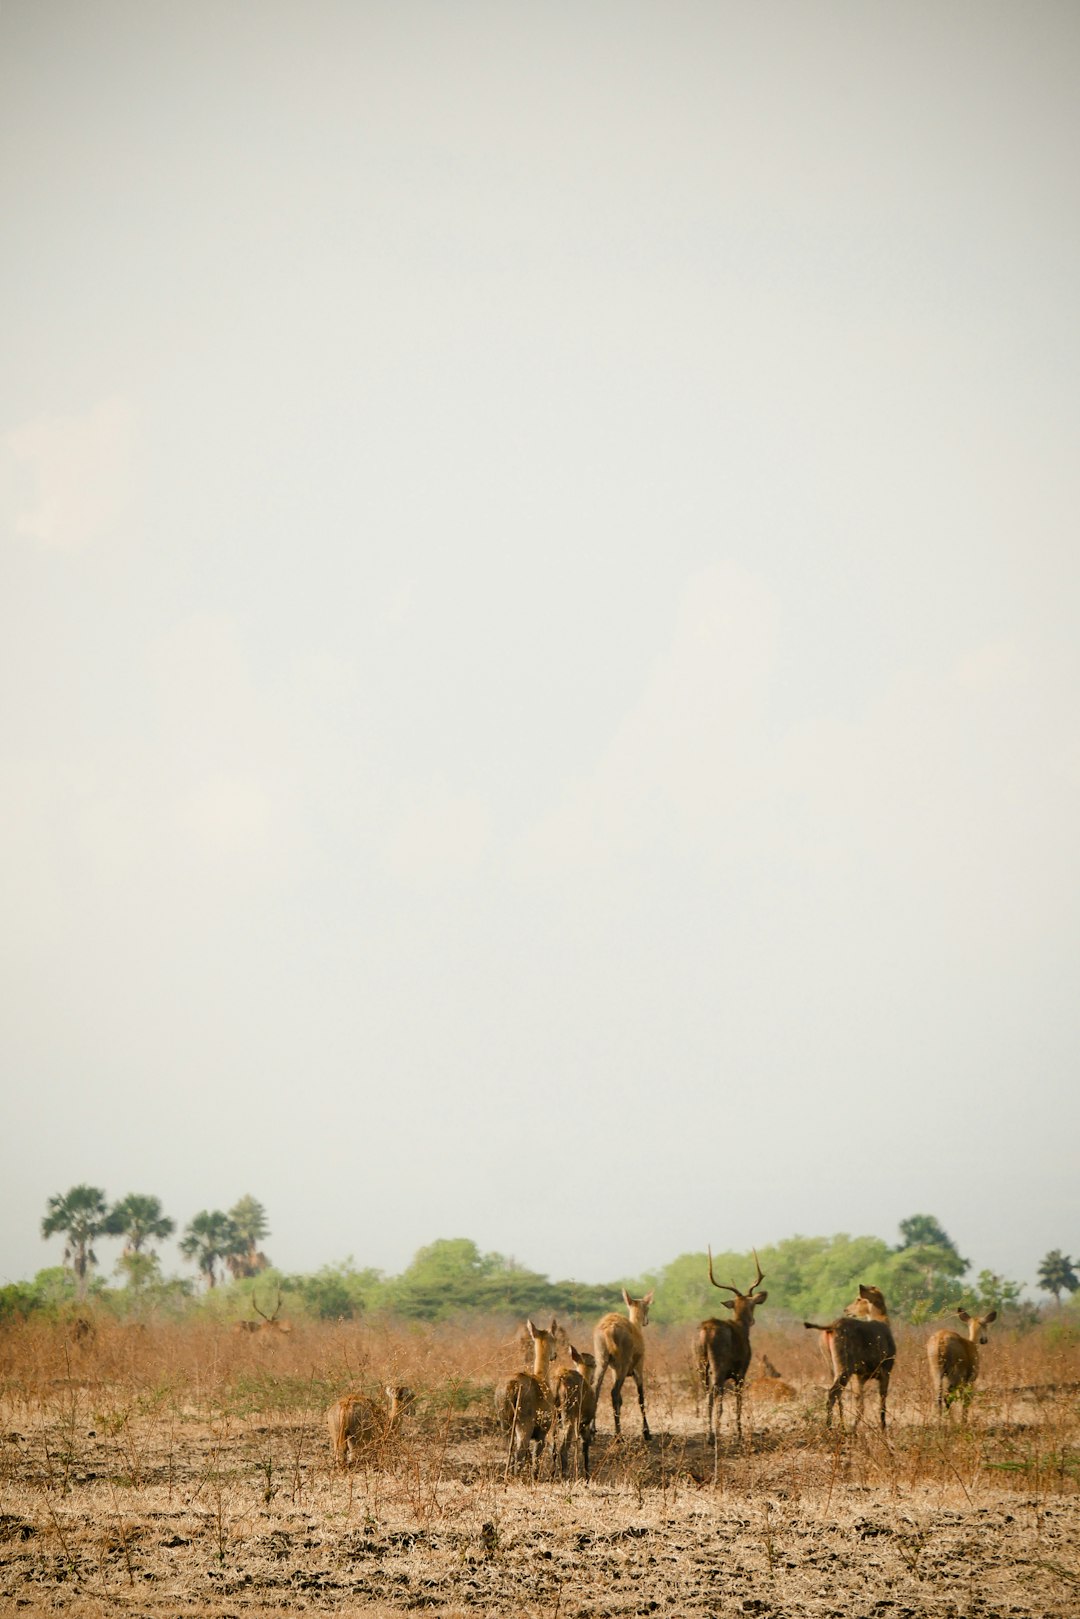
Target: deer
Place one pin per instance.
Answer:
(620, 1344)
(268, 1323)
(954, 1359)
(524, 1402)
(575, 1411)
(860, 1347)
(858, 1308)
(769, 1383)
(361, 1428)
(723, 1348)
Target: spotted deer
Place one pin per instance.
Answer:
(575, 1411)
(525, 1405)
(723, 1348)
(361, 1428)
(860, 1347)
(954, 1359)
(620, 1344)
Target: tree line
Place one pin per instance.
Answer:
(922, 1275)
(212, 1238)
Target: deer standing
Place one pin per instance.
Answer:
(525, 1402)
(575, 1411)
(954, 1359)
(860, 1347)
(723, 1348)
(620, 1344)
(361, 1428)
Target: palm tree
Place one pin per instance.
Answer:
(81, 1215)
(1057, 1274)
(210, 1236)
(138, 1218)
(249, 1223)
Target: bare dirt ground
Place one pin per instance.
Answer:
(157, 1472)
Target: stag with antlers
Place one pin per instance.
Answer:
(723, 1348)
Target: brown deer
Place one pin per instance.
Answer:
(858, 1308)
(361, 1428)
(769, 1383)
(620, 1344)
(575, 1411)
(268, 1323)
(723, 1348)
(954, 1359)
(525, 1404)
(860, 1347)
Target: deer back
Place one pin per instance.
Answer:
(862, 1348)
(724, 1346)
(356, 1423)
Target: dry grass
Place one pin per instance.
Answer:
(187, 1468)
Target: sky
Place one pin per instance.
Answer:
(539, 676)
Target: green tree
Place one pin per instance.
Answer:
(209, 1236)
(1057, 1274)
(994, 1292)
(250, 1227)
(141, 1268)
(338, 1292)
(924, 1231)
(81, 1214)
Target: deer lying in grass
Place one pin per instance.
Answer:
(723, 1349)
(361, 1428)
(575, 1411)
(525, 1403)
(268, 1323)
(861, 1347)
(769, 1384)
(954, 1360)
(620, 1344)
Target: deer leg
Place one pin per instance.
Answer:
(834, 1395)
(738, 1406)
(710, 1432)
(640, 1381)
(599, 1385)
(616, 1402)
(883, 1387)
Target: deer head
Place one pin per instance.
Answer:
(743, 1304)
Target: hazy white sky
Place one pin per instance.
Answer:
(539, 622)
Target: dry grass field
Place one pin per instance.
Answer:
(186, 1469)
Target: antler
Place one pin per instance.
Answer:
(728, 1287)
(277, 1307)
(760, 1274)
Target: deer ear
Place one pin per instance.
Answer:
(649, 1296)
(759, 1298)
(626, 1298)
(574, 1356)
(963, 1315)
(864, 1291)
(532, 1329)
(988, 1318)
(728, 1304)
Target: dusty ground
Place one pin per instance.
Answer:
(142, 1486)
